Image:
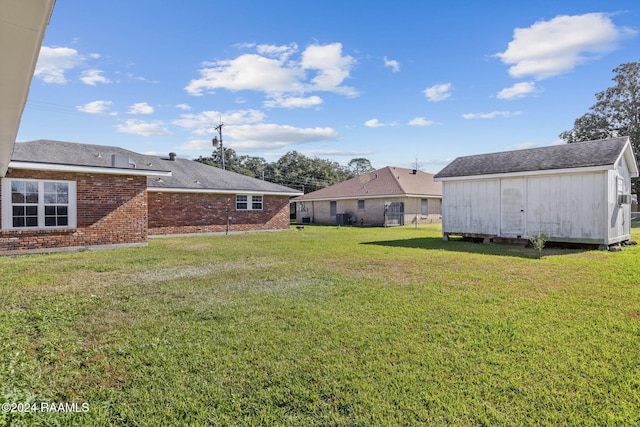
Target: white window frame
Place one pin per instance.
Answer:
(250, 202)
(7, 205)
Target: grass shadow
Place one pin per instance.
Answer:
(459, 245)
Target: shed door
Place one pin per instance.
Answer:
(512, 207)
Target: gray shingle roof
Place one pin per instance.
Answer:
(567, 156)
(388, 181)
(185, 174)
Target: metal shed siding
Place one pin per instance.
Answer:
(471, 207)
(619, 224)
(567, 207)
(563, 207)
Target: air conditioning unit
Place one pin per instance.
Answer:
(624, 199)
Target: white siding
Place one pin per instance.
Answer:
(619, 223)
(512, 207)
(568, 207)
(572, 207)
(471, 207)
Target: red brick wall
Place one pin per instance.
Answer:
(111, 209)
(181, 213)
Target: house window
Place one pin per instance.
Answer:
(28, 203)
(256, 203)
(332, 208)
(248, 203)
(360, 205)
(424, 210)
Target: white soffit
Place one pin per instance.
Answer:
(22, 28)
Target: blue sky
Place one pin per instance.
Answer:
(397, 82)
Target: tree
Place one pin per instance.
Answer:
(308, 174)
(254, 166)
(359, 166)
(230, 158)
(615, 113)
(293, 170)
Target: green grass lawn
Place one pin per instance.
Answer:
(323, 326)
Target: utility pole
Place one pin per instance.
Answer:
(217, 141)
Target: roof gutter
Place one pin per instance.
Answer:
(87, 169)
(216, 191)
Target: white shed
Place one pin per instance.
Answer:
(575, 193)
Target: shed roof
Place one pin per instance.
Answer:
(185, 174)
(603, 152)
(389, 181)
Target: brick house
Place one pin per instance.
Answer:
(385, 197)
(66, 196)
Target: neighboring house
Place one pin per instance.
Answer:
(387, 196)
(577, 192)
(65, 195)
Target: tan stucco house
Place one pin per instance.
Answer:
(385, 197)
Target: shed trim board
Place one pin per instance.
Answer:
(527, 173)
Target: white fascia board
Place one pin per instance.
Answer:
(23, 24)
(214, 191)
(526, 173)
(54, 167)
(630, 159)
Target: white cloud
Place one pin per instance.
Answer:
(525, 145)
(247, 72)
(333, 152)
(550, 48)
(518, 90)
(265, 136)
(420, 121)
(95, 107)
(374, 123)
(141, 108)
(54, 62)
(205, 122)
(281, 52)
(394, 65)
(92, 77)
(331, 66)
(438, 92)
(491, 115)
(198, 145)
(138, 127)
(272, 135)
(183, 107)
(294, 102)
(319, 68)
